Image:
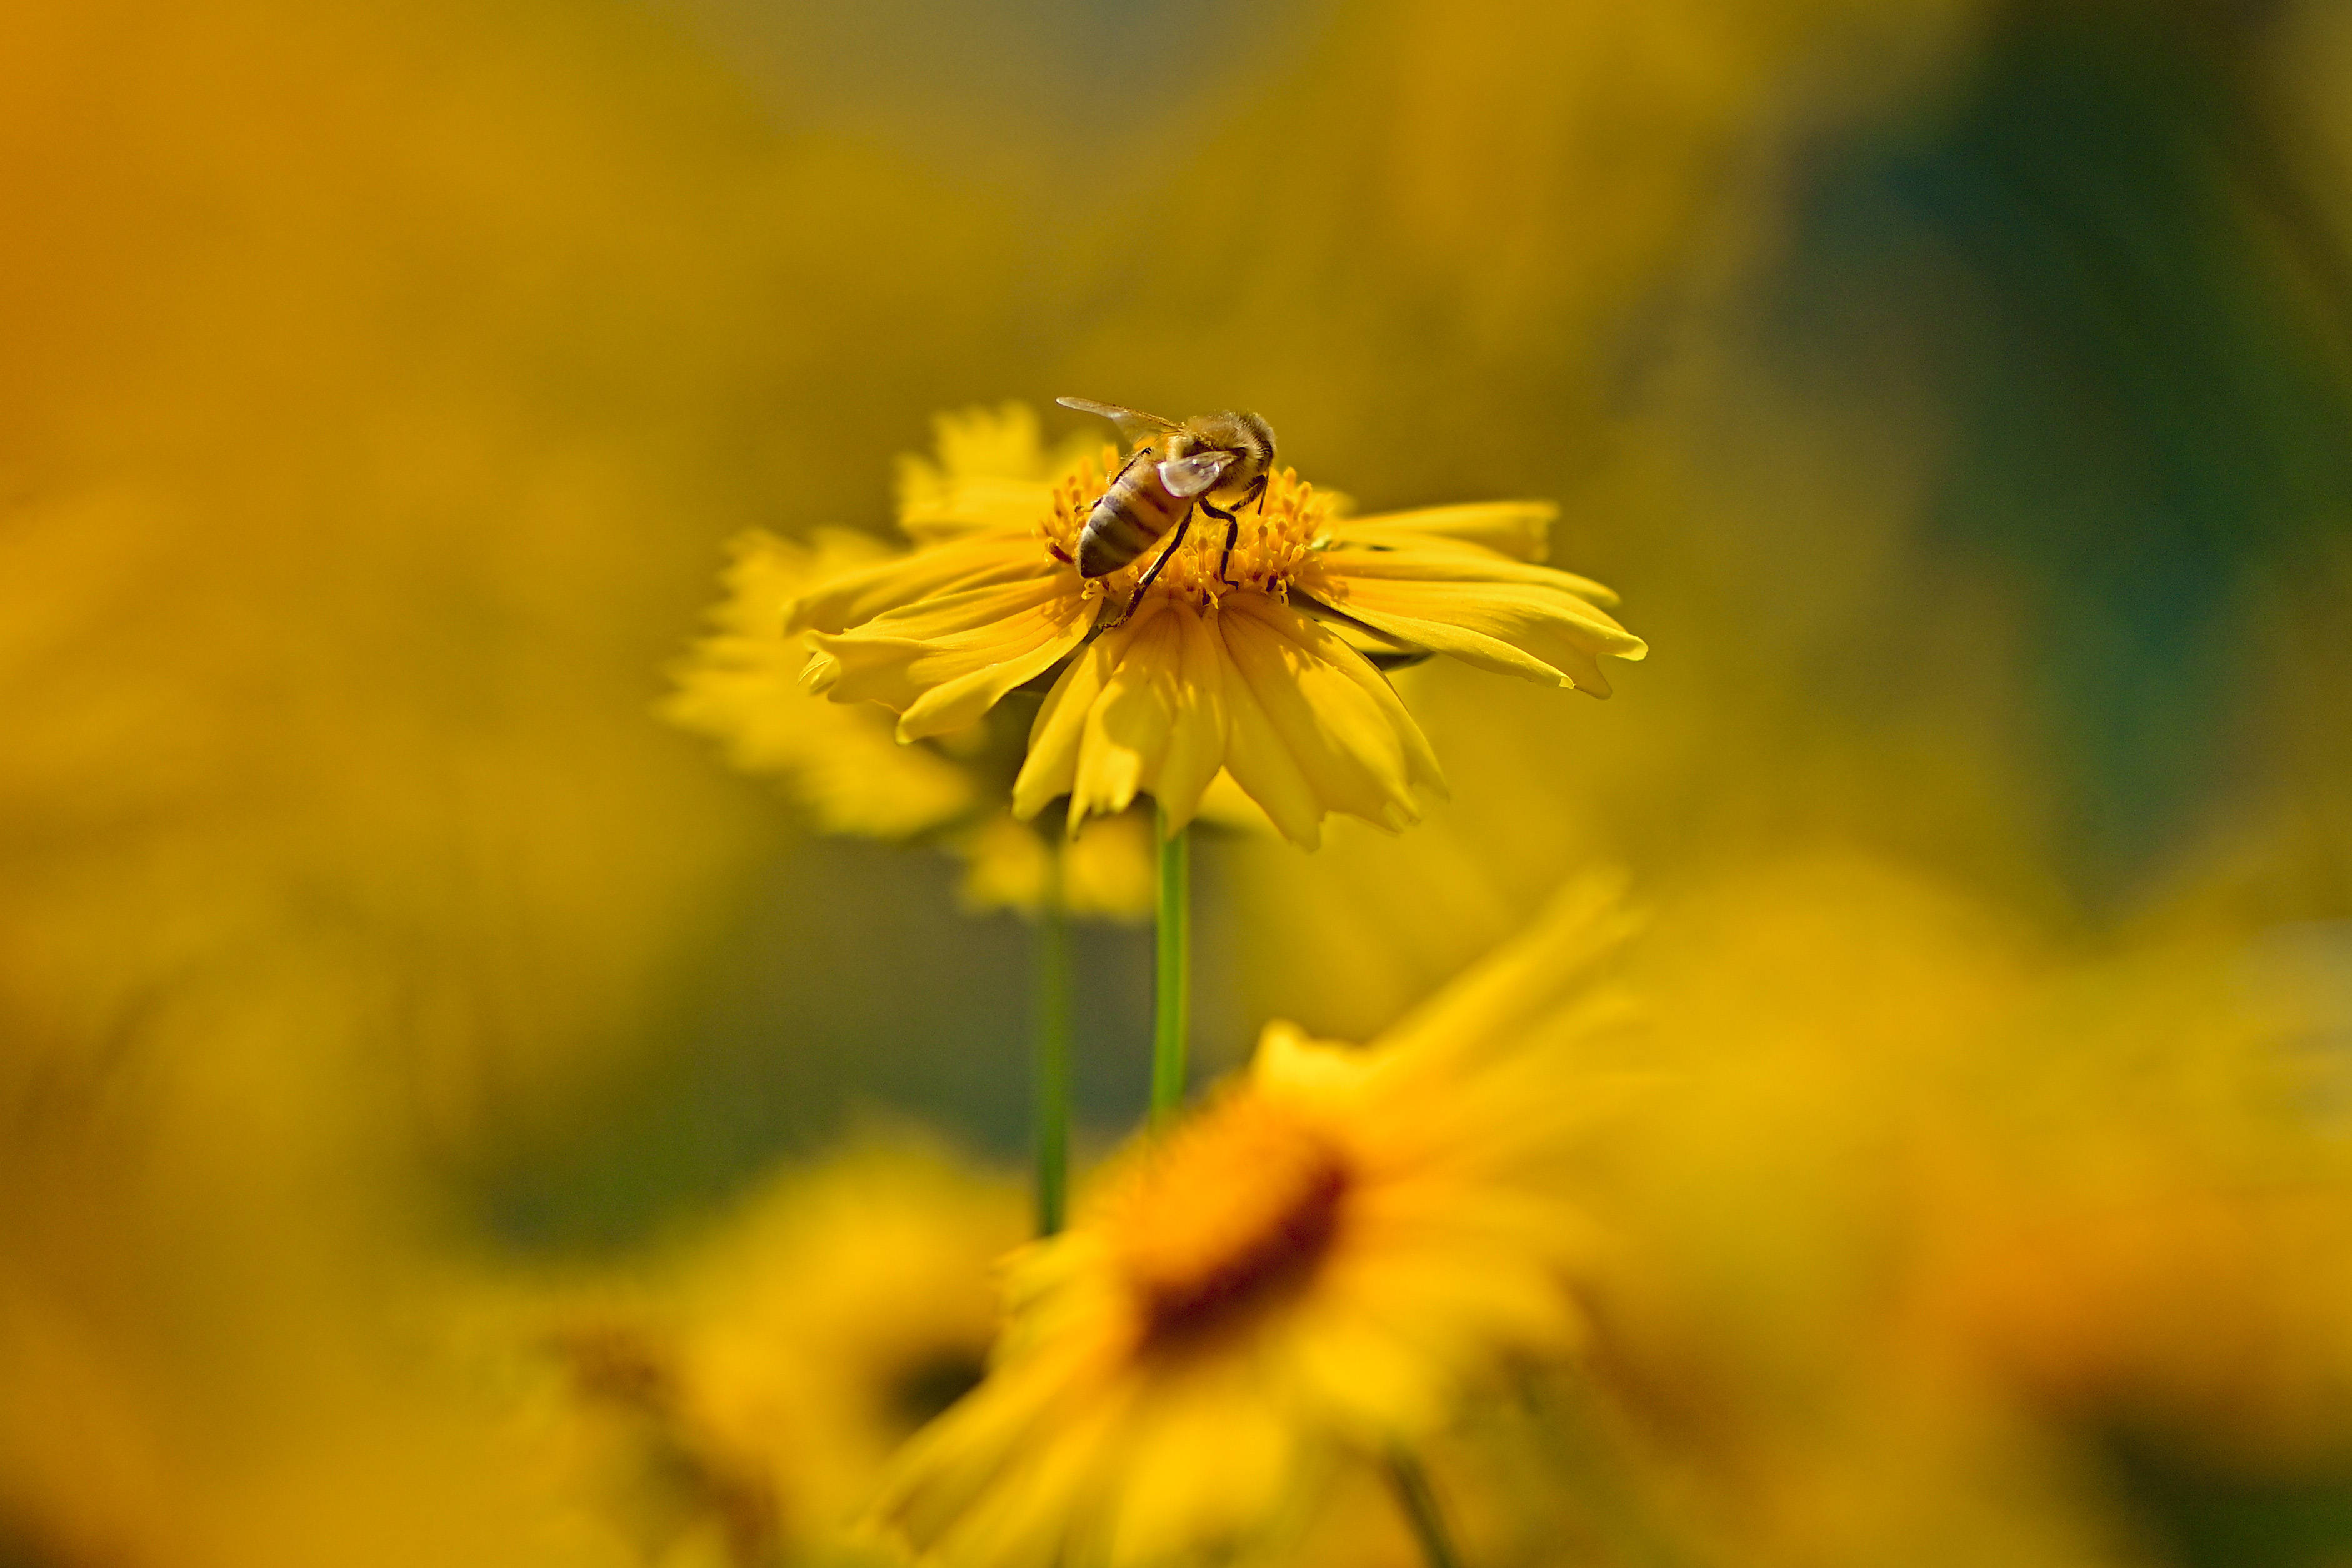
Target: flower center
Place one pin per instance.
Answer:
(1235, 1207)
(1273, 539)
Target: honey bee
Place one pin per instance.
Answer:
(1175, 468)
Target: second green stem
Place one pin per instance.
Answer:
(1172, 971)
(1053, 1067)
(1419, 1500)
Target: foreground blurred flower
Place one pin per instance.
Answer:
(1318, 1265)
(851, 1305)
(1269, 674)
(738, 1405)
(842, 763)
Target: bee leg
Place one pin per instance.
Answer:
(1257, 493)
(1140, 588)
(1232, 535)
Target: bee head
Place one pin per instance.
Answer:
(1244, 435)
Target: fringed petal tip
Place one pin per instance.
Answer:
(821, 672)
(1594, 681)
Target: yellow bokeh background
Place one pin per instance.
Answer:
(381, 977)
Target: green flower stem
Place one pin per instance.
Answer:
(1624, 1512)
(1051, 1019)
(1172, 973)
(1419, 1502)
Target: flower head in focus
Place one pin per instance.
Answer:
(1319, 1264)
(842, 763)
(1265, 669)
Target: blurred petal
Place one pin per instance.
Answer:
(992, 473)
(839, 761)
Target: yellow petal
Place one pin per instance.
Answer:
(1005, 866)
(992, 472)
(1258, 760)
(1493, 1003)
(1225, 804)
(1360, 754)
(1429, 561)
(1142, 710)
(1212, 1460)
(1127, 727)
(1513, 627)
(856, 597)
(952, 507)
(1196, 742)
(1106, 871)
(1051, 769)
(953, 704)
(941, 664)
(1520, 529)
(839, 761)
(1422, 776)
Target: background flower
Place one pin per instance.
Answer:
(732, 1397)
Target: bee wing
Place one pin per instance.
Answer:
(1186, 477)
(1133, 424)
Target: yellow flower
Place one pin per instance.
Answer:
(1105, 873)
(1268, 674)
(841, 762)
(1318, 1265)
(739, 1405)
(853, 1305)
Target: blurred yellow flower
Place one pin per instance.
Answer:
(841, 762)
(738, 1404)
(1315, 1266)
(852, 1304)
(1265, 668)
(2152, 1234)
(1105, 872)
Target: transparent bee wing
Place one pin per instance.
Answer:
(1133, 424)
(1186, 477)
